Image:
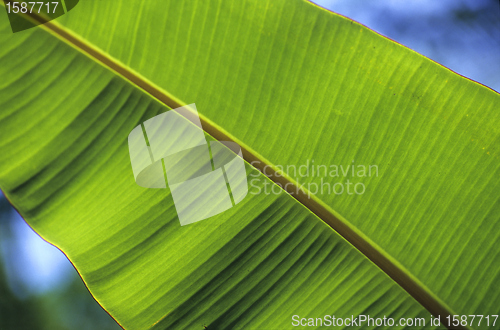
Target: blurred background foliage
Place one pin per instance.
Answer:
(40, 289)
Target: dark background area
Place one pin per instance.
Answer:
(40, 289)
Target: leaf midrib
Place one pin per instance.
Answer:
(377, 255)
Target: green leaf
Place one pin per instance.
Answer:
(291, 83)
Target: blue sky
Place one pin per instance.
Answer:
(463, 35)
